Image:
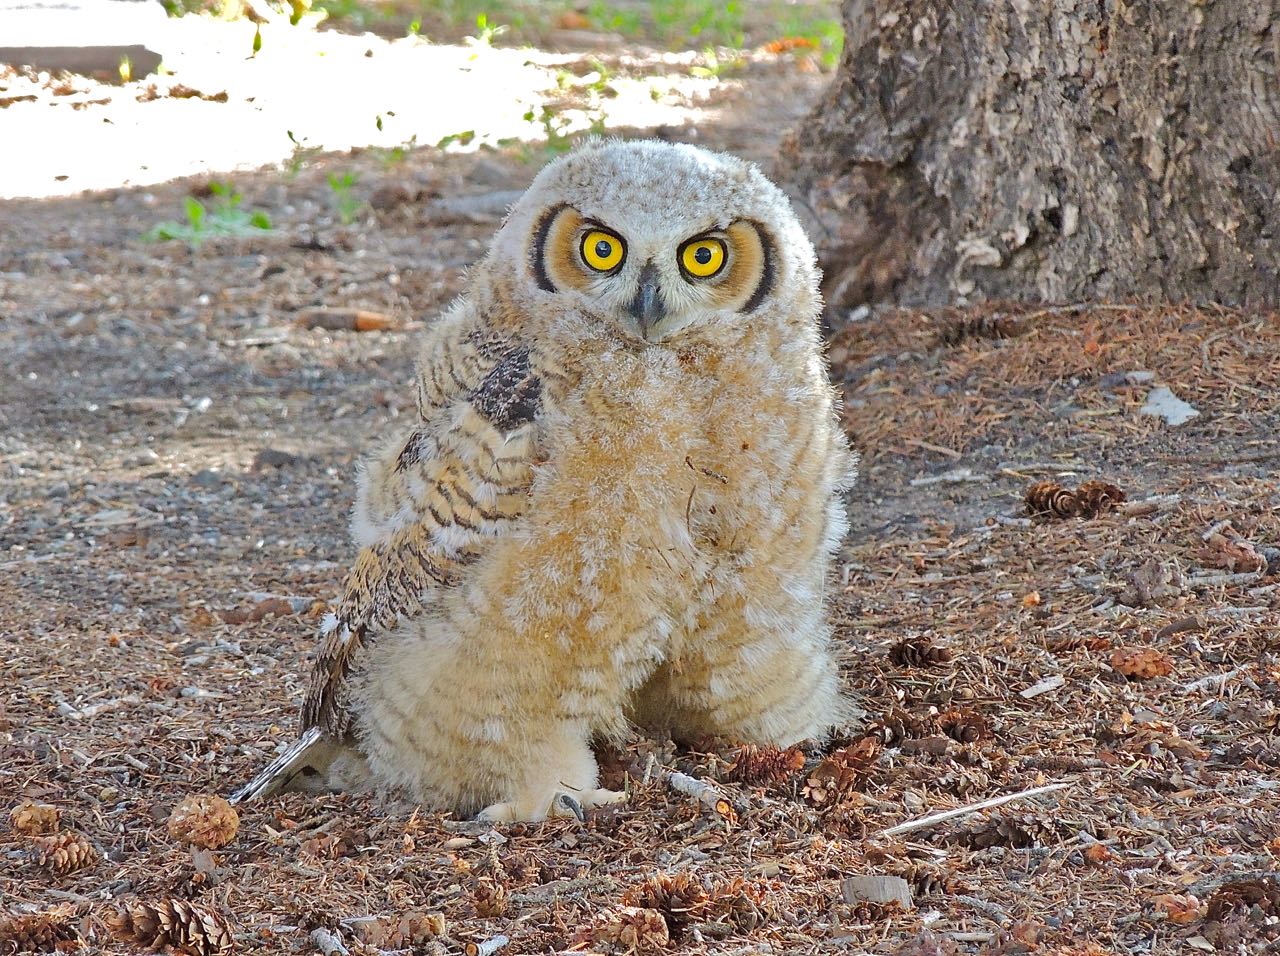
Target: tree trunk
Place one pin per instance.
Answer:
(1055, 150)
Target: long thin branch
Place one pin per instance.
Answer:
(945, 815)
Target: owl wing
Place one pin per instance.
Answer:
(430, 505)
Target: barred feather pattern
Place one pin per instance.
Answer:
(431, 501)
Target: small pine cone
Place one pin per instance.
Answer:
(918, 652)
(1241, 896)
(184, 927)
(679, 897)
(996, 326)
(63, 852)
(841, 772)
(1096, 497)
(206, 821)
(738, 903)
(927, 879)
(764, 765)
(490, 898)
(1048, 498)
(52, 930)
(1074, 642)
(35, 819)
(1141, 663)
(415, 929)
(964, 725)
(634, 930)
(896, 726)
(1014, 831)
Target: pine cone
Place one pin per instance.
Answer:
(679, 897)
(918, 652)
(1074, 642)
(634, 930)
(413, 929)
(53, 930)
(1141, 663)
(184, 927)
(1096, 497)
(927, 879)
(34, 819)
(208, 822)
(995, 326)
(1242, 896)
(841, 772)
(964, 726)
(764, 765)
(63, 852)
(490, 898)
(896, 726)
(1014, 831)
(1048, 498)
(739, 904)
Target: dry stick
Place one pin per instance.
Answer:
(933, 818)
(328, 943)
(486, 948)
(1213, 580)
(704, 793)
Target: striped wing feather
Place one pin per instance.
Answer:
(462, 488)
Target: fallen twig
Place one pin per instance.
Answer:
(945, 815)
(328, 943)
(997, 913)
(488, 947)
(1226, 580)
(1214, 681)
(700, 790)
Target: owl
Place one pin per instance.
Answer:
(616, 507)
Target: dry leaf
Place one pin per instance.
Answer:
(1141, 663)
(1178, 908)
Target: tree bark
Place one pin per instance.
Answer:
(1056, 150)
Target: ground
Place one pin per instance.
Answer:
(177, 450)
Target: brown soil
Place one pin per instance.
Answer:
(176, 451)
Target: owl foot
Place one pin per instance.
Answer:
(562, 805)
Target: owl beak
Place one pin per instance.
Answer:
(648, 307)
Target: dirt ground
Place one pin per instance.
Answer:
(177, 455)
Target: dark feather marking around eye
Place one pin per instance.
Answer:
(539, 252)
(510, 394)
(766, 270)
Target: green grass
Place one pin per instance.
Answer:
(345, 203)
(224, 216)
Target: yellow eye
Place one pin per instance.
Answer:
(603, 251)
(702, 258)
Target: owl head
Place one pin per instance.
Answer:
(658, 243)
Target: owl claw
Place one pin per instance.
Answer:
(562, 806)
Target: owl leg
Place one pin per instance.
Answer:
(776, 684)
(462, 725)
(542, 795)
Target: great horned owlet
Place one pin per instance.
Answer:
(616, 507)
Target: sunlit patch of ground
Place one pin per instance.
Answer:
(217, 106)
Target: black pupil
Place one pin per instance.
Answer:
(702, 255)
(604, 248)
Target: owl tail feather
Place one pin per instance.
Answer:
(304, 765)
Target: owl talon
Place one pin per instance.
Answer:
(562, 806)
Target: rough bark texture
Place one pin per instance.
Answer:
(1048, 149)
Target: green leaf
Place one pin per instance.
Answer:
(260, 220)
(195, 212)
